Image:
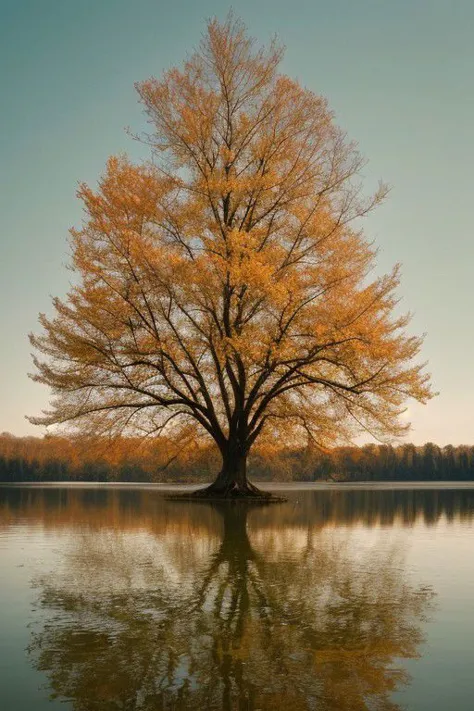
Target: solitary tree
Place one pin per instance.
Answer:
(224, 285)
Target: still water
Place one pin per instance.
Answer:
(340, 599)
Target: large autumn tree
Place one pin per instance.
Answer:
(224, 286)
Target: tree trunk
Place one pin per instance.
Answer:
(232, 482)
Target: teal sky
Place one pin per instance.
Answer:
(399, 76)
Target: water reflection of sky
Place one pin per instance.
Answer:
(325, 602)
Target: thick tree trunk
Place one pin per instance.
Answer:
(232, 482)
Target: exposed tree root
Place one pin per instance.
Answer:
(230, 490)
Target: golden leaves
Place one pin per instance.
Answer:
(226, 276)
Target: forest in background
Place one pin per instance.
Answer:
(56, 458)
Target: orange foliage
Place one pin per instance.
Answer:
(224, 288)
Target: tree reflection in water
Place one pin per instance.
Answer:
(265, 619)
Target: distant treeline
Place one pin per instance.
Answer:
(54, 458)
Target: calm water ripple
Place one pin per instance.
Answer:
(341, 599)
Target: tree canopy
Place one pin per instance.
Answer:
(225, 287)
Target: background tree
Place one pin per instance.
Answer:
(223, 286)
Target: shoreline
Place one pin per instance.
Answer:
(265, 485)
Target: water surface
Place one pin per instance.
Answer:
(114, 598)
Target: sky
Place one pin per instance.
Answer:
(399, 77)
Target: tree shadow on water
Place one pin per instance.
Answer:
(257, 618)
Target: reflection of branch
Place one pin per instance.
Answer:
(241, 629)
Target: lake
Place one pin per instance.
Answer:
(344, 598)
